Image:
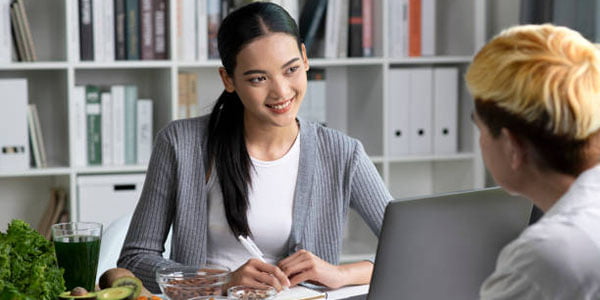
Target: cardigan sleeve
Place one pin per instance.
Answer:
(369, 195)
(151, 221)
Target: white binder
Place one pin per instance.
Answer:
(420, 111)
(445, 110)
(397, 111)
(14, 139)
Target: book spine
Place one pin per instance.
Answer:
(213, 12)
(193, 104)
(132, 29)
(5, 37)
(147, 29)
(331, 39)
(74, 28)
(35, 149)
(355, 24)
(144, 131)
(86, 30)
(80, 126)
(17, 33)
(107, 137)
(93, 117)
(39, 137)
(202, 31)
(414, 27)
(98, 21)
(109, 30)
(343, 28)
(131, 97)
(120, 32)
(28, 38)
(118, 123)
(182, 100)
(428, 27)
(367, 34)
(160, 29)
(187, 38)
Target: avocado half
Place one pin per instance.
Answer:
(115, 293)
(67, 295)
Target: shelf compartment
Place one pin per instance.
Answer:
(47, 89)
(48, 29)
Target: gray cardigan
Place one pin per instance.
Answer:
(334, 174)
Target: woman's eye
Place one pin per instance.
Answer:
(292, 69)
(257, 79)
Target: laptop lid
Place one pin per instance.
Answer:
(444, 246)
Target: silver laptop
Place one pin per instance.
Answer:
(444, 246)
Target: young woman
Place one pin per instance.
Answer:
(252, 168)
(537, 99)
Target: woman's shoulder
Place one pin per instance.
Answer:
(191, 127)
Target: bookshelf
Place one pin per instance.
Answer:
(356, 104)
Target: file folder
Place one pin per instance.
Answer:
(398, 111)
(14, 139)
(420, 111)
(445, 110)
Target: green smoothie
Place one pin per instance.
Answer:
(78, 255)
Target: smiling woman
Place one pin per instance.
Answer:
(252, 168)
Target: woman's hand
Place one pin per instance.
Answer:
(257, 274)
(305, 266)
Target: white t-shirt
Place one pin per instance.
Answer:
(559, 256)
(271, 199)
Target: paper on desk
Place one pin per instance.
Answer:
(348, 291)
(300, 293)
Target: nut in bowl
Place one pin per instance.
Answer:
(185, 282)
(248, 293)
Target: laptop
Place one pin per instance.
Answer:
(444, 246)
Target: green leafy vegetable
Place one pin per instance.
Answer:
(28, 267)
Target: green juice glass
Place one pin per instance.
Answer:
(77, 246)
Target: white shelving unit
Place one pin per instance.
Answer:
(356, 90)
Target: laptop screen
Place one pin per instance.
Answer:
(444, 246)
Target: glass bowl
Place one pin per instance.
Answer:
(248, 293)
(185, 282)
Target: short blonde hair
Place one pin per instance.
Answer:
(541, 72)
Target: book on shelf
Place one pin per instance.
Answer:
(132, 27)
(311, 24)
(119, 26)
(201, 31)
(355, 27)
(213, 11)
(36, 138)
(412, 26)
(130, 107)
(56, 212)
(367, 28)
(106, 128)
(117, 128)
(187, 103)
(94, 123)
(144, 131)
(6, 43)
(147, 29)
(86, 31)
(186, 30)
(161, 29)
(22, 32)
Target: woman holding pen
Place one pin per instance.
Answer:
(253, 169)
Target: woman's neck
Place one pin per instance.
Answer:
(545, 188)
(269, 143)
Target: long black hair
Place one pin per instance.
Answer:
(227, 151)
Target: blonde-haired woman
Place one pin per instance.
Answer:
(537, 105)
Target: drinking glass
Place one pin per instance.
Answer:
(77, 246)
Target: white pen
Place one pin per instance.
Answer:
(251, 247)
